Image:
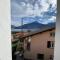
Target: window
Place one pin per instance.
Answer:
(52, 34)
(28, 46)
(29, 43)
(50, 44)
(40, 56)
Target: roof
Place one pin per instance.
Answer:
(47, 27)
(37, 32)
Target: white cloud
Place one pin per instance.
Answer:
(17, 10)
(22, 9)
(53, 2)
(23, 4)
(53, 19)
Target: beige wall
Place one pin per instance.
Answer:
(39, 45)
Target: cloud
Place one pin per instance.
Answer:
(24, 9)
(17, 10)
(44, 9)
(53, 19)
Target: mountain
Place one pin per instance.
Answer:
(33, 25)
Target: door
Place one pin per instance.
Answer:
(40, 56)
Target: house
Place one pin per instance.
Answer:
(40, 45)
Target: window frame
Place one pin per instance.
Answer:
(52, 34)
(50, 44)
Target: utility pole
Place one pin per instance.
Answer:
(20, 44)
(21, 41)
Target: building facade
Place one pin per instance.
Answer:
(40, 46)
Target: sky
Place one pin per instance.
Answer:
(43, 11)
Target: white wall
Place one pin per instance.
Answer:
(5, 38)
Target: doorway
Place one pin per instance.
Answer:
(40, 56)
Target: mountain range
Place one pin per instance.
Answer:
(33, 26)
